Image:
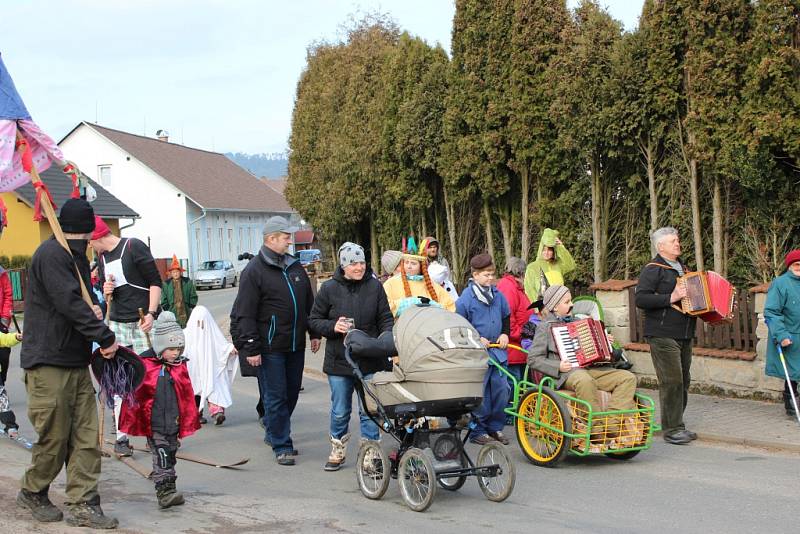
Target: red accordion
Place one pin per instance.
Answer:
(708, 296)
(582, 343)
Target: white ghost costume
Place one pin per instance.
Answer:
(213, 362)
(441, 275)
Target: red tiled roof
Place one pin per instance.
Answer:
(304, 237)
(208, 178)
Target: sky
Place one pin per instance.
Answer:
(216, 74)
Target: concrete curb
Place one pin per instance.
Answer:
(315, 374)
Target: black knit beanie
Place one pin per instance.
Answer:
(76, 217)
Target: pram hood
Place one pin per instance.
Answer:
(436, 345)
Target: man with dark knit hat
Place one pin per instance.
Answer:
(61, 402)
(488, 311)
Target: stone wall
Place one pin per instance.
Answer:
(720, 372)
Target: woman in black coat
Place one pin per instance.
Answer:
(353, 298)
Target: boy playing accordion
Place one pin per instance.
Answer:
(543, 356)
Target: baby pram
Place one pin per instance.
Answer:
(424, 404)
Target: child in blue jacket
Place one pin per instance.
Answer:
(488, 311)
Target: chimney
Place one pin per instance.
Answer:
(162, 135)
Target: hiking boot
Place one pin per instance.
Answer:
(167, 494)
(123, 447)
(285, 458)
(89, 515)
(499, 436)
(40, 506)
(483, 439)
(338, 452)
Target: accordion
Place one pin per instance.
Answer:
(582, 343)
(708, 296)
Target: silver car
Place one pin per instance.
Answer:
(215, 273)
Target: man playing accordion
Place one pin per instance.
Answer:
(544, 357)
(668, 331)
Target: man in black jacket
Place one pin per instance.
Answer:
(353, 294)
(668, 331)
(60, 328)
(269, 320)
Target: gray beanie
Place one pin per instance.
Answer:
(350, 253)
(552, 296)
(390, 260)
(167, 333)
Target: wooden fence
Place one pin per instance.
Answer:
(740, 334)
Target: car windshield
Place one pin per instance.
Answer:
(212, 266)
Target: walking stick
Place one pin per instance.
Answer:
(788, 381)
(146, 334)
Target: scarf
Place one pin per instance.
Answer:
(483, 294)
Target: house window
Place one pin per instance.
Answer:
(104, 175)
(221, 248)
(230, 242)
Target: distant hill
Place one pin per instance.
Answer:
(262, 165)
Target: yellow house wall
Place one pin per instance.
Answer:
(23, 234)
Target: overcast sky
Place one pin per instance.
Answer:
(217, 74)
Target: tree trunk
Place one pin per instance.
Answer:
(648, 151)
(598, 238)
(506, 228)
(524, 207)
(375, 258)
(716, 225)
(696, 224)
(487, 216)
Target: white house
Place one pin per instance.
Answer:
(193, 203)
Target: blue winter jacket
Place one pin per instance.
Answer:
(487, 320)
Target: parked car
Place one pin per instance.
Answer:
(215, 273)
(309, 256)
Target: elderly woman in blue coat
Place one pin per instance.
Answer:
(782, 314)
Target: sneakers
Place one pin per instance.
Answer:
(219, 418)
(40, 506)
(90, 515)
(483, 439)
(167, 494)
(499, 436)
(285, 458)
(337, 455)
(123, 447)
(680, 437)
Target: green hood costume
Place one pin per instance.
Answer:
(553, 270)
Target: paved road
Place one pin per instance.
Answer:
(218, 301)
(697, 488)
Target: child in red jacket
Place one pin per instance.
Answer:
(165, 409)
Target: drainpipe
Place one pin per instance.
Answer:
(121, 228)
(191, 223)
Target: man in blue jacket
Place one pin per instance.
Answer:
(269, 321)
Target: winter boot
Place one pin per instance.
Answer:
(89, 515)
(168, 495)
(40, 506)
(338, 451)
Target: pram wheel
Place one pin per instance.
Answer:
(544, 441)
(496, 488)
(373, 470)
(417, 479)
(448, 447)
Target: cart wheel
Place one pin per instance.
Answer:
(417, 480)
(627, 455)
(373, 470)
(500, 486)
(448, 447)
(541, 445)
